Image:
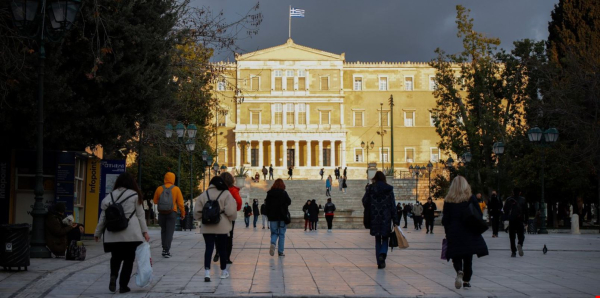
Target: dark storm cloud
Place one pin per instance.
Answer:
(386, 30)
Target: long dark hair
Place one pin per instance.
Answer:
(219, 183)
(379, 176)
(127, 181)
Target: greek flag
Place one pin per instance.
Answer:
(296, 13)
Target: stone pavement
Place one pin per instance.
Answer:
(338, 264)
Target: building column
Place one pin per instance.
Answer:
(248, 150)
(284, 154)
(238, 156)
(297, 154)
(320, 153)
(332, 153)
(260, 154)
(309, 153)
(273, 152)
(343, 155)
(284, 116)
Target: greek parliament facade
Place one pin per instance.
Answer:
(310, 109)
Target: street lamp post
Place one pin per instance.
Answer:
(31, 17)
(429, 169)
(204, 159)
(498, 149)
(191, 145)
(391, 102)
(449, 165)
(543, 139)
(180, 131)
(381, 132)
(370, 145)
(416, 171)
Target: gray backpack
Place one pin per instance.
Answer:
(165, 202)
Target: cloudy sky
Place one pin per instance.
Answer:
(386, 30)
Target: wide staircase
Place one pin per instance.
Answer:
(349, 209)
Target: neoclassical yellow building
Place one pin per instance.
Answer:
(292, 105)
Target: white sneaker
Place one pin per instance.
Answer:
(459, 280)
(329, 231)
(207, 276)
(225, 274)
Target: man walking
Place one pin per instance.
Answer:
(169, 201)
(329, 209)
(290, 173)
(255, 211)
(265, 172)
(263, 213)
(494, 211)
(322, 172)
(247, 213)
(271, 172)
(515, 211)
(405, 211)
(417, 215)
(337, 173)
(429, 214)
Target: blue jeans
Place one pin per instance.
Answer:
(255, 219)
(247, 220)
(381, 246)
(278, 229)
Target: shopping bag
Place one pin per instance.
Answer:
(444, 249)
(76, 251)
(144, 262)
(402, 242)
(393, 239)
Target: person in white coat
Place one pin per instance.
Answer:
(122, 244)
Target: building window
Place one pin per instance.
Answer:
(278, 80)
(408, 84)
(432, 116)
(358, 118)
(255, 118)
(384, 154)
(383, 83)
(289, 113)
(409, 154)
(222, 118)
(289, 80)
(221, 85)
(324, 83)
(409, 118)
(301, 113)
(358, 155)
(435, 155)
(254, 157)
(302, 80)
(384, 118)
(278, 114)
(432, 83)
(254, 83)
(358, 83)
(325, 117)
(79, 181)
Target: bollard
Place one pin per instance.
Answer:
(575, 224)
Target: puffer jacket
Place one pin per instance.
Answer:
(379, 199)
(228, 210)
(137, 223)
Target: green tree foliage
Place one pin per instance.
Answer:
(481, 97)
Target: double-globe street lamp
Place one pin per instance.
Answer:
(429, 170)
(180, 131)
(189, 216)
(498, 150)
(31, 18)
(417, 171)
(543, 139)
(369, 146)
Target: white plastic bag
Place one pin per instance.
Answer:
(144, 262)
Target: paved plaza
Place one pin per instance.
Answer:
(337, 264)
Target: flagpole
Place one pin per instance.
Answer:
(290, 24)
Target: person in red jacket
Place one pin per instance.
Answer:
(235, 192)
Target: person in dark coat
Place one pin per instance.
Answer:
(313, 216)
(247, 214)
(495, 211)
(263, 212)
(462, 242)
(399, 211)
(429, 214)
(345, 171)
(56, 231)
(516, 212)
(290, 173)
(337, 173)
(405, 211)
(306, 211)
(329, 210)
(278, 202)
(255, 211)
(270, 172)
(379, 201)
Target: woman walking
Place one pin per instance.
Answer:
(123, 243)
(313, 210)
(235, 192)
(306, 211)
(329, 210)
(429, 213)
(277, 202)
(380, 203)
(216, 233)
(344, 185)
(462, 242)
(328, 186)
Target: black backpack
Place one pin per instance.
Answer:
(211, 211)
(514, 211)
(115, 215)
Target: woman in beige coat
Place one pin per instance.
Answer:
(219, 232)
(122, 244)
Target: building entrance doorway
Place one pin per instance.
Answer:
(327, 158)
(291, 154)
